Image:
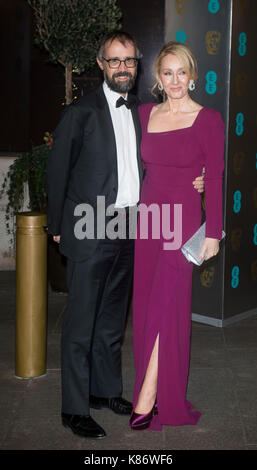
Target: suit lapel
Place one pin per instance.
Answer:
(108, 135)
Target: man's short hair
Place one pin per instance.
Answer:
(121, 36)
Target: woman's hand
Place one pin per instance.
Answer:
(210, 247)
(57, 238)
(198, 183)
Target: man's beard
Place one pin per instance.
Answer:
(120, 87)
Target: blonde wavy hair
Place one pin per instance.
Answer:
(184, 54)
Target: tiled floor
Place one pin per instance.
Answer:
(222, 385)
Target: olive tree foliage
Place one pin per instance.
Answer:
(70, 31)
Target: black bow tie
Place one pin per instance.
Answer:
(128, 103)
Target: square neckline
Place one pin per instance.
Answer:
(172, 130)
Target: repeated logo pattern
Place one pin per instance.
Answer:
(239, 123)
(181, 36)
(242, 44)
(181, 6)
(212, 42)
(207, 276)
(235, 277)
(241, 194)
(213, 6)
(211, 79)
(237, 201)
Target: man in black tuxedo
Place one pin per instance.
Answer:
(96, 152)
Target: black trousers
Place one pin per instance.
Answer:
(93, 324)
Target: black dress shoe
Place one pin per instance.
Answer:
(117, 404)
(84, 426)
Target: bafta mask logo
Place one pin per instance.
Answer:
(207, 276)
(212, 42)
(238, 162)
(181, 6)
(254, 270)
(236, 235)
(241, 84)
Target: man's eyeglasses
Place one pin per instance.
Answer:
(130, 62)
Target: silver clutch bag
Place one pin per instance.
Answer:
(192, 248)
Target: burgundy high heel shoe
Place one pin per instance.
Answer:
(142, 421)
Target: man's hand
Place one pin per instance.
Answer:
(210, 247)
(57, 238)
(198, 183)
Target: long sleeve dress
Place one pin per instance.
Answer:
(163, 278)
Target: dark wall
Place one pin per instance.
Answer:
(15, 74)
(240, 293)
(224, 43)
(47, 91)
(33, 89)
(145, 19)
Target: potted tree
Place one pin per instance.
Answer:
(69, 30)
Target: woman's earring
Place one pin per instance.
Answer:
(191, 85)
(160, 86)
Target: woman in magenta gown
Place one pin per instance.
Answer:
(179, 138)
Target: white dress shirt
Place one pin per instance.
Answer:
(125, 137)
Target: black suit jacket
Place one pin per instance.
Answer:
(83, 165)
